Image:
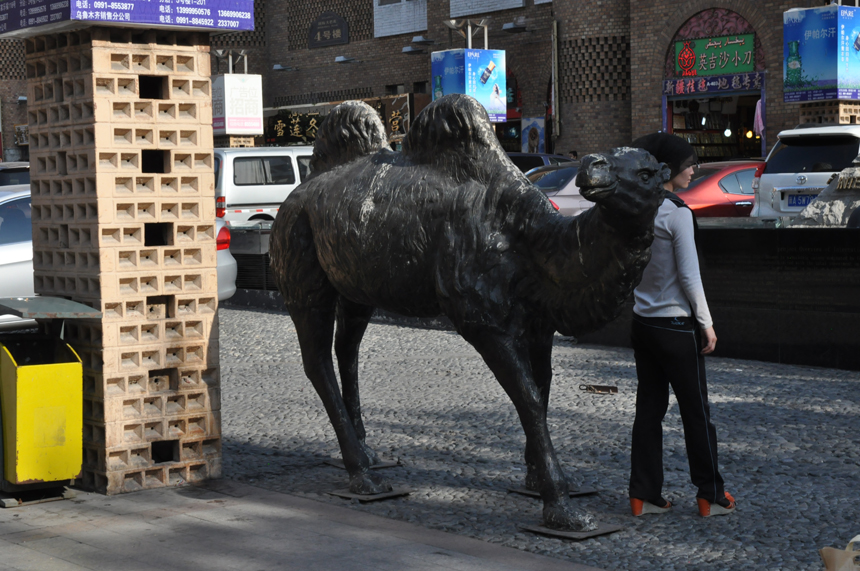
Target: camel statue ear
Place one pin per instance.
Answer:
(665, 172)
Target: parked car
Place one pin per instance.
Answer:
(558, 182)
(16, 254)
(721, 189)
(225, 263)
(251, 183)
(15, 174)
(799, 166)
(528, 161)
(16, 251)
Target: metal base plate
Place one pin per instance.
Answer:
(28, 498)
(394, 493)
(572, 492)
(602, 529)
(338, 463)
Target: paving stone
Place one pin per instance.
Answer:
(786, 433)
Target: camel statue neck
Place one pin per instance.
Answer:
(587, 267)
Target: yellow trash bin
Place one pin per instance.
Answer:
(41, 395)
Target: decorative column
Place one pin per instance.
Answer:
(124, 221)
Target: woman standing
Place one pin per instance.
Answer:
(672, 330)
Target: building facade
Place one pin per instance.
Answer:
(13, 102)
(615, 63)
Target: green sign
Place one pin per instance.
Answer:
(720, 55)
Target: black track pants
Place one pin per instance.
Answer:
(667, 353)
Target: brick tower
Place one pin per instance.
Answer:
(124, 221)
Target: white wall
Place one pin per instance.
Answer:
(398, 17)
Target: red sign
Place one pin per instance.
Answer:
(687, 60)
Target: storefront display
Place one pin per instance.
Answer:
(712, 86)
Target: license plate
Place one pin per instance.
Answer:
(800, 199)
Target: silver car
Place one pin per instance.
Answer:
(558, 182)
(16, 253)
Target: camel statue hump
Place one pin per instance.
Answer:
(353, 129)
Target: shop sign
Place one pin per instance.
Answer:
(715, 56)
(395, 114)
(237, 104)
(821, 53)
(329, 29)
(714, 84)
(300, 127)
(292, 128)
(21, 18)
(478, 73)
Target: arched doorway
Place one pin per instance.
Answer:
(714, 91)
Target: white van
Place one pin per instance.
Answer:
(251, 183)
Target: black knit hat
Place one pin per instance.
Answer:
(670, 149)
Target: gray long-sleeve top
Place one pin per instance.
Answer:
(671, 284)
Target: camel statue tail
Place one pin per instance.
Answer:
(353, 129)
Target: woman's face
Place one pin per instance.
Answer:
(682, 179)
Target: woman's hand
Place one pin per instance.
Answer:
(709, 340)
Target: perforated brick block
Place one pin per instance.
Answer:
(111, 385)
(151, 454)
(168, 404)
(203, 425)
(103, 334)
(159, 475)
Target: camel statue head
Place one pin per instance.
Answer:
(624, 181)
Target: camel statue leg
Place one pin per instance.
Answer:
(508, 357)
(352, 320)
(540, 358)
(315, 330)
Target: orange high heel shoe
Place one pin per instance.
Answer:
(707, 509)
(640, 507)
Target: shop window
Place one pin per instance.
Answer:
(398, 89)
(420, 87)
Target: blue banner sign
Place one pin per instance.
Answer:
(449, 72)
(22, 18)
(479, 73)
(821, 53)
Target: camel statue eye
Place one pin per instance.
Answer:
(645, 176)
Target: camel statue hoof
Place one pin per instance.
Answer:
(368, 483)
(565, 518)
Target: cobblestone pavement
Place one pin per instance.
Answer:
(788, 446)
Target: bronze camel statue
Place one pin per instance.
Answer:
(450, 226)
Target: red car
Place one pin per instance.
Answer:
(722, 189)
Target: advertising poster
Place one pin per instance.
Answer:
(848, 63)
(811, 52)
(533, 135)
(237, 104)
(448, 68)
(485, 81)
(478, 73)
